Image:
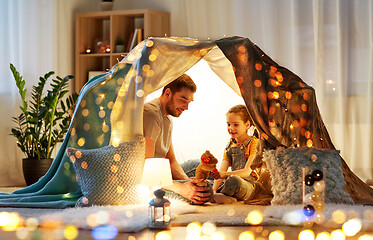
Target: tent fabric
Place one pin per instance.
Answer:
(110, 109)
(283, 107)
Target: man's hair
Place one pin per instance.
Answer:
(184, 81)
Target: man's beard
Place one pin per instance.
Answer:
(170, 108)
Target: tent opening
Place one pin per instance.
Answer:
(203, 126)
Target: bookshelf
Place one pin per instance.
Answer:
(96, 35)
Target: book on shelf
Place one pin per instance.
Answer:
(92, 74)
(140, 35)
(136, 37)
(128, 48)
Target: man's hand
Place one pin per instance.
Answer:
(193, 192)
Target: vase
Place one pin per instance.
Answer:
(34, 169)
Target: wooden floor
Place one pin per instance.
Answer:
(180, 233)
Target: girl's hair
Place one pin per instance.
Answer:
(242, 110)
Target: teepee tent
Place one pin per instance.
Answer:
(105, 147)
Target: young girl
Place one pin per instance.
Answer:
(237, 184)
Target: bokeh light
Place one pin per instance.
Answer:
(255, 217)
(293, 217)
(194, 227)
(231, 212)
(163, 235)
(152, 57)
(84, 165)
(265, 233)
(339, 216)
(9, 221)
(306, 235)
(247, 235)
(149, 43)
(104, 232)
(337, 235)
(323, 236)
(352, 227)
(81, 141)
(366, 237)
(276, 235)
(92, 220)
(208, 228)
(71, 232)
(22, 233)
(217, 236)
(103, 217)
(31, 224)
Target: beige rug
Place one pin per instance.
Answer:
(133, 218)
(292, 215)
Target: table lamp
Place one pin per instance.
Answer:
(157, 173)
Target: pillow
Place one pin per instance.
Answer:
(109, 175)
(285, 167)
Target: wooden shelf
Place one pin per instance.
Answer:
(107, 27)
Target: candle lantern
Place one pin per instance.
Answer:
(157, 173)
(159, 211)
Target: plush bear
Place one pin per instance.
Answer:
(207, 165)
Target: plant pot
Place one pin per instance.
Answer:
(119, 48)
(33, 169)
(106, 6)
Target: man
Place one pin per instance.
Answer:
(174, 100)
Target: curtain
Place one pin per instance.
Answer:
(37, 36)
(329, 44)
(26, 43)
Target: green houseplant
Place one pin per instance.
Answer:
(43, 122)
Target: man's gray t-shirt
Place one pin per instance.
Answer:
(158, 127)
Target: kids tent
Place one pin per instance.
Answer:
(105, 147)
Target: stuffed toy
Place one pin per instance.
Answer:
(207, 165)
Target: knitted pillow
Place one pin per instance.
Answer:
(109, 175)
(285, 167)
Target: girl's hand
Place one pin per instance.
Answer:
(217, 175)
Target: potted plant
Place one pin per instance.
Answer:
(106, 5)
(119, 45)
(43, 122)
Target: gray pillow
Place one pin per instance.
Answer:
(285, 167)
(109, 175)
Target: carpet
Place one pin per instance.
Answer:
(133, 218)
(125, 218)
(335, 215)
